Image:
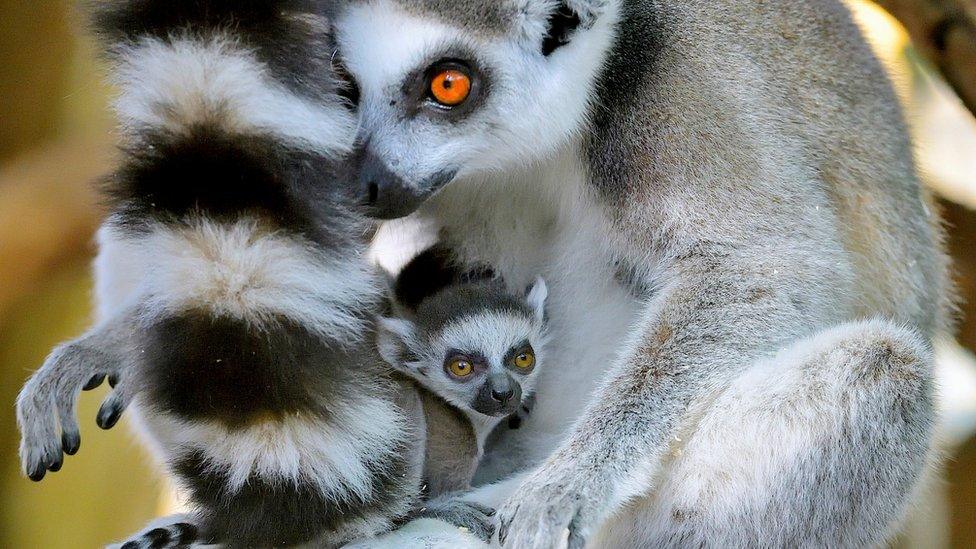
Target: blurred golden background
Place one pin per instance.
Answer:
(55, 140)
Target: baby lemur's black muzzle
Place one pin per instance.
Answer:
(499, 396)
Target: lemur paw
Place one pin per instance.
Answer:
(475, 518)
(548, 503)
(46, 406)
(170, 533)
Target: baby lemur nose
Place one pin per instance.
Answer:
(503, 389)
(503, 395)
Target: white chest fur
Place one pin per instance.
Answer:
(540, 223)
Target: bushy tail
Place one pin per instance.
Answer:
(226, 106)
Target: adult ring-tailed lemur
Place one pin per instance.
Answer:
(744, 274)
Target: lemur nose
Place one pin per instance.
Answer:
(502, 396)
(503, 389)
(385, 194)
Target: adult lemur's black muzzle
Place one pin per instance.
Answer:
(385, 194)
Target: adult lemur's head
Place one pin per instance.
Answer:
(459, 87)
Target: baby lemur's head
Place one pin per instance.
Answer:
(476, 345)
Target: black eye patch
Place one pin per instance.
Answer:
(516, 350)
(562, 23)
(415, 89)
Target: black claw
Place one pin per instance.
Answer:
(130, 545)
(70, 442)
(113, 380)
(38, 473)
(94, 382)
(55, 466)
(158, 538)
(109, 414)
(186, 533)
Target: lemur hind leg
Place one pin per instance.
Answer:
(816, 447)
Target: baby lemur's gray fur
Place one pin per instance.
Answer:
(237, 299)
(477, 346)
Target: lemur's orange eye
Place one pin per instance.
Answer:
(450, 87)
(460, 367)
(525, 360)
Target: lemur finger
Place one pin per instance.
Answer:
(116, 403)
(39, 455)
(94, 383)
(70, 442)
(40, 446)
(110, 411)
(55, 466)
(66, 401)
(113, 380)
(159, 537)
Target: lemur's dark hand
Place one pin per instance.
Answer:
(165, 533)
(46, 407)
(476, 519)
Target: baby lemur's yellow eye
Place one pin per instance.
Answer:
(525, 360)
(450, 87)
(460, 367)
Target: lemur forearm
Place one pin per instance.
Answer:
(719, 309)
(709, 323)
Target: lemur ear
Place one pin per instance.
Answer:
(536, 296)
(555, 22)
(396, 339)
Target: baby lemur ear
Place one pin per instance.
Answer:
(536, 295)
(396, 340)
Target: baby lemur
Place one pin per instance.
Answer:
(472, 343)
(237, 297)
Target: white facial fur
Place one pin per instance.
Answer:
(532, 106)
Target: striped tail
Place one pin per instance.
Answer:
(228, 107)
